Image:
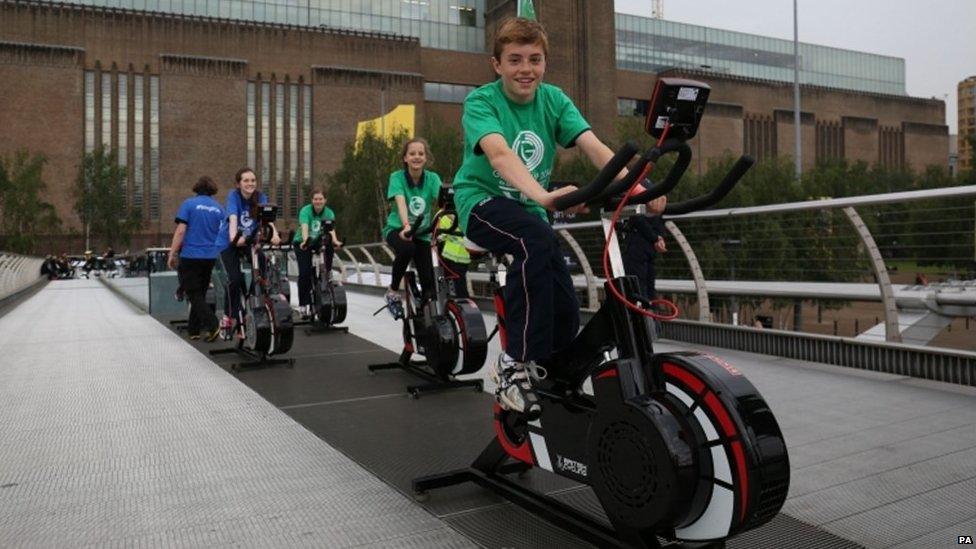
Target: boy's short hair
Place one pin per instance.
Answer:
(520, 31)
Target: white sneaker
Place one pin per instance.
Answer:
(513, 386)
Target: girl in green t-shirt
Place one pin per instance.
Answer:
(512, 128)
(413, 191)
(315, 221)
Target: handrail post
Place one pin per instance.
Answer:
(592, 298)
(704, 309)
(892, 333)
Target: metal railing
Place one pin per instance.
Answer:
(849, 246)
(18, 272)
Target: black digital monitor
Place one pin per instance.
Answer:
(678, 102)
(268, 212)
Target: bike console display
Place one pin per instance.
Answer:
(268, 213)
(677, 102)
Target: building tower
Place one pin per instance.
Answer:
(967, 123)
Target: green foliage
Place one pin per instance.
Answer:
(447, 148)
(24, 216)
(100, 199)
(358, 188)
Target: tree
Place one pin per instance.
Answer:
(358, 187)
(100, 199)
(23, 215)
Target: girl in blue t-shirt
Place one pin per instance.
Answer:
(241, 210)
(192, 253)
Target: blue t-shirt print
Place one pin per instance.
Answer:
(236, 205)
(203, 217)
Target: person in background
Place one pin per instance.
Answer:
(413, 191)
(193, 252)
(311, 220)
(239, 224)
(644, 239)
(454, 257)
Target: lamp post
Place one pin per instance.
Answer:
(798, 169)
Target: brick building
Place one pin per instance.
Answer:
(179, 93)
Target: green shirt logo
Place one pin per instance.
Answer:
(417, 205)
(530, 148)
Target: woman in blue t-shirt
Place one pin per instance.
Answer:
(192, 253)
(241, 216)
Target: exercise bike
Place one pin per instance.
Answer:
(673, 445)
(266, 315)
(449, 332)
(328, 297)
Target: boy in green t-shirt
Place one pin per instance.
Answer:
(414, 191)
(512, 127)
(313, 218)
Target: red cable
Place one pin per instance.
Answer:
(606, 250)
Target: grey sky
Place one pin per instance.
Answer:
(937, 38)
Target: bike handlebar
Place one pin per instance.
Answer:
(674, 175)
(740, 168)
(595, 188)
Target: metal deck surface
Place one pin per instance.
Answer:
(116, 431)
(113, 431)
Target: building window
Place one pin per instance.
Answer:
(759, 137)
(891, 147)
(631, 107)
(830, 141)
(446, 93)
(293, 149)
(107, 111)
(154, 148)
(89, 111)
(138, 130)
(466, 16)
(265, 133)
(123, 116)
(415, 9)
(279, 167)
(251, 125)
(307, 137)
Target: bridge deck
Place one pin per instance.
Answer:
(116, 431)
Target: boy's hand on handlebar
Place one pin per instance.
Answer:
(547, 200)
(275, 239)
(656, 206)
(403, 233)
(337, 244)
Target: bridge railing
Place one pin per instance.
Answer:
(18, 272)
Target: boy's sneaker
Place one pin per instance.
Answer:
(514, 387)
(394, 304)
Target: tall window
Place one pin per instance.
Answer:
(293, 149)
(107, 110)
(279, 168)
(265, 133)
(307, 136)
(154, 148)
(251, 125)
(759, 137)
(138, 134)
(89, 111)
(123, 116)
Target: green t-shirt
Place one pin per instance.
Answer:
(421, 199)
(532, 130)
(308, 217)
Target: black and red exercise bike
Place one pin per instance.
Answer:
(449, 332)
(678, 446)
(266, 318)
